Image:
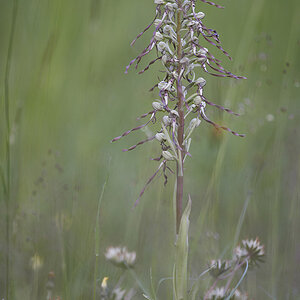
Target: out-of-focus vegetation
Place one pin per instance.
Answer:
(69, 96)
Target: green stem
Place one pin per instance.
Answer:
(238, 284)
(180, 131)
(134, 276)
(8, 150)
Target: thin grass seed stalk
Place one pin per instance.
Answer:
(178, 38)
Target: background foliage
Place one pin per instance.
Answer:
(69, 97)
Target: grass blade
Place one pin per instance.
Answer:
(97, 235)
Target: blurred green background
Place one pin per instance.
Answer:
(69, 97)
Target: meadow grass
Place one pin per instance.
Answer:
(69, 96)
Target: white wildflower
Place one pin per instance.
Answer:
(120, 256)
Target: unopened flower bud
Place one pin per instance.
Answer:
(197, 100)
(104, 283)
(158, 36)
(160, 136)
(167, 155)
(200, 81)
(157, 105)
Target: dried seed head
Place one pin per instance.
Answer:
(157, 105)
(167, 155)
(160, 136)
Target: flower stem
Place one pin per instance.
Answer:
(180, 130)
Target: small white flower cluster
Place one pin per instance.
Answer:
(220, 293)
(240, 296)
(218, 267)
(118, 294)
(120, 256)
(112, 294)
(250, 252)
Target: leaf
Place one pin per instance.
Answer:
(2, 176)
(181, 256)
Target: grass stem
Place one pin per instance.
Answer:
(7, 192)
(97, 233)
